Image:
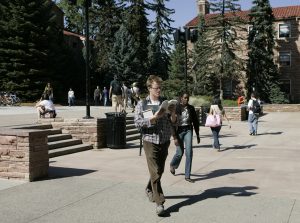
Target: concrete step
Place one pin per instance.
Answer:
(63, 143)
(54, 131)
(69, 150)
(58, 137)
(130, 126)
(131, 132)
(128, 122)
(33, 126)
(133, 137)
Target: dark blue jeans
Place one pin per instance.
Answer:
(215, 131)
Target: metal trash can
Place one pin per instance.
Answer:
(115, 130)
(244, 113)
(203, 114)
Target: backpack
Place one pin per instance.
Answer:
(116, 88)
(256, 107)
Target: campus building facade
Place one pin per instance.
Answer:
(287, 45)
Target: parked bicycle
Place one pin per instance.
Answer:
(10, 99)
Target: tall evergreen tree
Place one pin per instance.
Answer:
(74, 18)
(203, 78)
(177, 72)
(136, 22)
(26, 44)
(123, 56)
(107, 21)
(161, 38)
(262, 72)
(228, 64)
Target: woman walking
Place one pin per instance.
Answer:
(187, 121)
(217, 109)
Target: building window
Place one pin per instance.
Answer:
(284, 30)
(284, 58)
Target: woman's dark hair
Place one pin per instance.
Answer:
(217, 101)
(183, 93)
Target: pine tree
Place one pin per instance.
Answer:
(74, 18)
(201, 63)
(26, 46)
(136, 23)
(160, 40)
(262, 72)
(175, 83)
(123, 56)
(107, 21)
(224, 39)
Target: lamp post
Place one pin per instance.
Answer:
(87, 4)
(183, 37)
(87, 60)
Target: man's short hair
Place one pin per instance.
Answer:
(151, 79)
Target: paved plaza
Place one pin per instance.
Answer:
(254, 179)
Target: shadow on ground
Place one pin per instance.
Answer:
(217, 173)
(62, 172)
(207, 194)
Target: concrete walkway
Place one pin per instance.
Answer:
(255, 179)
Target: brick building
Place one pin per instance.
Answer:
(287, 45)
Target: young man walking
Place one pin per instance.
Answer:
(156, 129)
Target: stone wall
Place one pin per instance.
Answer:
(91, 131)
(239, 114)
(23, 154)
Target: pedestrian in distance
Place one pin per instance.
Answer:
(125, 95)
(48, 92)
(254, 109)
(71, 97)
(97, 96)
(187, 120)
(105, 96)
(116, 94)
(135, 95)
(217, 109)
(241, 100)
(157, 129)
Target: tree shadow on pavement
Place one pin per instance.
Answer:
(207, 194)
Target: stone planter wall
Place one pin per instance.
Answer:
(91, 131)
(23, 154)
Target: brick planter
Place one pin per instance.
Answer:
(23, 154)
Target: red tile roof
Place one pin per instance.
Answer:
(279, 13)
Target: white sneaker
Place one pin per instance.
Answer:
(160, 210)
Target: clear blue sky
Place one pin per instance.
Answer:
(186, 10)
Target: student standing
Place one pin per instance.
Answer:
(156, 132)
(254, 110)
(187, 121)
(71, 97)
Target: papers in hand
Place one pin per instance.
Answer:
(164, 107)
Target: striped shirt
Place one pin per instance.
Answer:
(158, 133)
